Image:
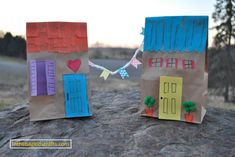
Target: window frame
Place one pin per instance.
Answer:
(174, 63)
(150, 62)
(188, 66)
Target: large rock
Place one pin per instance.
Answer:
(117, 129)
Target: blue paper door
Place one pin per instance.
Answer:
(76, 99)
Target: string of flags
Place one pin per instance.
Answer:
(122, 70)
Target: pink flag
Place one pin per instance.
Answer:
(135, 62)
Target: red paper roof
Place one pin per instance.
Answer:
(62, 37)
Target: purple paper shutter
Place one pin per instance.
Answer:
(33, 77)
(50, 77)
(42, 77)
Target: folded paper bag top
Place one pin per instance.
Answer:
(58, 70)
(174, 70)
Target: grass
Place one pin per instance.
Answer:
(12, 82)
(13, 75)
(11, 95)
(218, 102)
(12, 59)
(4, 104)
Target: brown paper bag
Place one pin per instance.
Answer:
(58, 70)
(174, 76)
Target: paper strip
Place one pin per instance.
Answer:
(50, 76)
(33, 77)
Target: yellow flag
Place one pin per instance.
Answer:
(105, 74)
(170, 97)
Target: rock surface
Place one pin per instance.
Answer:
(117, 129)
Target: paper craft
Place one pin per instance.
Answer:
(135, 62)
(172, 63)
(59, 37)
(122, 70)
(74, 65)
(42, 77)
(170, 97)
(105, 74)
(58, 69)
(155, 62)
(123, 73)
(176, 33)
(149, 102)
(188, 64)
(75, 92)
(175, 68)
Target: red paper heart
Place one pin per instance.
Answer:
(74, 65)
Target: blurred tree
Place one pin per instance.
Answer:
(14, 46)
(224, 18)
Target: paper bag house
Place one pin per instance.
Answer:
(174, 75)
(58, 70)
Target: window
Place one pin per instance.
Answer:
(172, 63)
(188, 64)
(42, 77)
(155, 62)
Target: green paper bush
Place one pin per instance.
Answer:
(189, 106)
(146, 100)
(149, 101)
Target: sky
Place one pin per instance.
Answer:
(111, 22)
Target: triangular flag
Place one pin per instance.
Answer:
(142, 33)
(123, 73)
(135, 62)
(105, 74)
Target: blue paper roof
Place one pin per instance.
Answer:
(176, 34)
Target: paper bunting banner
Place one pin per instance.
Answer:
(91, 64)
(105, 74)
(135, 62)
(123, 73)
